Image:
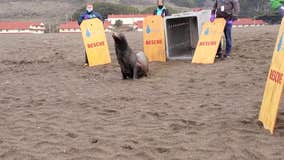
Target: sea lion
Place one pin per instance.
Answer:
(132, 65)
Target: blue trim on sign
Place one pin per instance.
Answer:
(148, 29)
(279, 45)
(206, 32)
(88, 33)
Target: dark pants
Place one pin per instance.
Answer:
(86, 58)
(228, 36)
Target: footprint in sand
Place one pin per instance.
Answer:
(72, 135)
(163, 150)
(127, 147)
(94, 140)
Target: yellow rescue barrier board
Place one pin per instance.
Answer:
(209, 41)
(95, 42)
(154, 38)
(274, 85)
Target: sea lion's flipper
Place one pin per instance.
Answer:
(124, 76)
(142, 60)
(135, 74)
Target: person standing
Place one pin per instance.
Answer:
(89, 13)
(161, 10)
(229, 10)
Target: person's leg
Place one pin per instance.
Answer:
(86, 58)
(219, 51)
(228, 36)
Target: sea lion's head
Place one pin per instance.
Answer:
(120, 41)
(118, 37)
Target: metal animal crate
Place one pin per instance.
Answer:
(182, 33)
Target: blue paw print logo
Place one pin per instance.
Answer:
(88, 33)
(279, 45)
(206, 32)
(148, 29)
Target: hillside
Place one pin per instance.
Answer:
(51, 11)
(54, 11)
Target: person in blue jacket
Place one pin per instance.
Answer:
(161, 10)
(89, 13)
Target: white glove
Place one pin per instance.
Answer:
(281, 11)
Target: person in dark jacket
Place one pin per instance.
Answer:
(161, 10)
(89, 13)
(229, 10)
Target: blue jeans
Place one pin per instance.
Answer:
(228, 36)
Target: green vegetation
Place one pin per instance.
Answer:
(249, 8)
(150, 10)
(189, 3)
(118, 23)
(109, 8)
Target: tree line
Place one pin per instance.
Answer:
(111, 8)
(258, 9)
